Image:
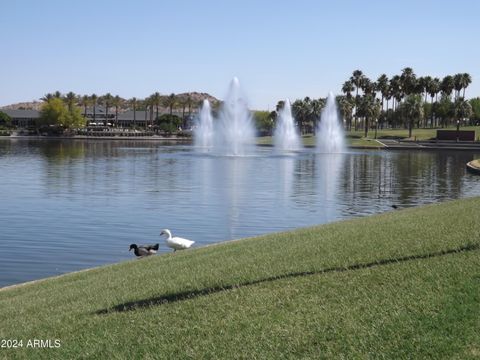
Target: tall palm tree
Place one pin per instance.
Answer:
(94, 100)
(408, 80)
(133, 101)
(432, 87)
(170, 101)
(369, 108)
(463, 109)
(346, 108)
(347, 89)
(57, 94)
(116, 101)
(383, 87)
(466, 80)
(85, 101)
(413, 110)
(447, 85)
(47, 97)
(155, 100)
(70, 99)
(106, 100)
(356, 79)
(457, 84)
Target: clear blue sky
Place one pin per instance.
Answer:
(277, 49)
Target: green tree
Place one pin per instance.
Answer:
(85, 101)
(106, 100)
(94, 102)
(168, 123)
(357, 80)
(117, 101)
(475, 104)
(466, 80)
(447, 85)
(445, 109)
(70, 99)
(5, 120)
(432, 88)
(412, 108)
(264, 122)
(408, 81)
(463, 109)
(134, 102)
(170, 102)
(369, 108)
(54, 114)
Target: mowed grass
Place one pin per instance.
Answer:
(403, 284)
(358, 139)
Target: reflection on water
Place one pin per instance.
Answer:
(68, 205)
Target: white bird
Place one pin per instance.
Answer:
(175, 242)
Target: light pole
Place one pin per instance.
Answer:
(376, 127)
(458, 130)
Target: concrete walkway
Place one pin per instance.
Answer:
(428, 145)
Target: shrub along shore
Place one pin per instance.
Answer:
(402, 284)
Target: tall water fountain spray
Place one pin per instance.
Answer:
(203, 133)
(235, 132)
(286, 136)
(330, 134)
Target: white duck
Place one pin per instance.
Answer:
(175, 242)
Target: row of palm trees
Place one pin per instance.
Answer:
(150, 105)
(370, 100)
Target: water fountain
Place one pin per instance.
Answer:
(203, 135)
(286, 137)
(330, 134)
(233, 132)
(235, 127)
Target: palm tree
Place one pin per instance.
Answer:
(347, 89)
(466, 80)
(346, 108)
(369, 108)
(457, 84)
(463, 109)
(47, 97)
(94, 99)
(116, 101)
(106, 100)
(356, 79)
(447, 85)
(432, 87)
(85, 101)
(57, 94)
(133, 102)
(408, 80)
(155, 100)
(413, 110)
(170, 101)
(70, 100)
(280, 105)
(383, 87)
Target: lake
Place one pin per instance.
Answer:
(73, 204)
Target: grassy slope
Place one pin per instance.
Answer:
(301, 294)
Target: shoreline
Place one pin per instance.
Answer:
(384, 145)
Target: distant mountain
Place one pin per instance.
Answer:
(196, 97)
(32, 105)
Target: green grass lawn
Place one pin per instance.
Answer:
(357, 139)
(403, 284)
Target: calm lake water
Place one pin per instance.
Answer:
(69, 205)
